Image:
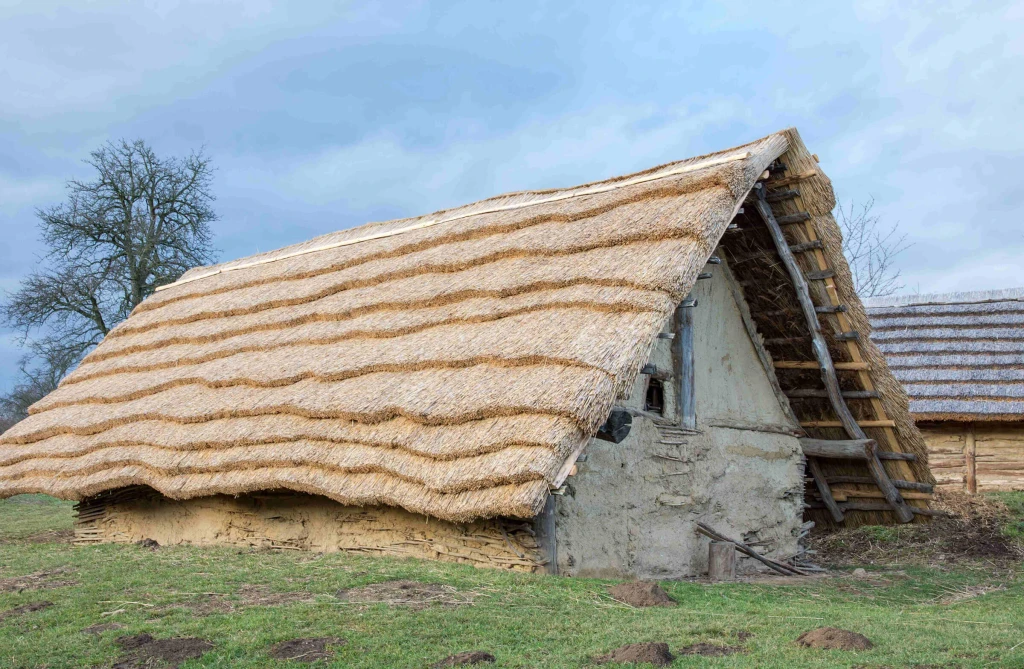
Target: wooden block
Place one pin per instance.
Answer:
(722, 561)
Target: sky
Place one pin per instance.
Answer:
(325, 115)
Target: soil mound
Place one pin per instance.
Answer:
(305, 650)
(710, 650)
(641, 594)
(148, 543)
(413, 594)
(23, 609)
(462, 659)
(831, 638)
(637, 653)
(145, 651)
(100, 628)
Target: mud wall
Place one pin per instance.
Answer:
(998, 454)
(296, 521)
(632, 507)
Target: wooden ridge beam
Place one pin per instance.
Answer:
(821, 352)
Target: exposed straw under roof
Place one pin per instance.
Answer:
(453, 364)
(959, 355)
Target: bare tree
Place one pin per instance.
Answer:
(140, 223)
(871, 249)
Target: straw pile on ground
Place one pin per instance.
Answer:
(453, 365)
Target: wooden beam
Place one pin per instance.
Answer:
(899, 483)
(836, 423)
(820, 276)
(806, 246)
(852, 335)
(799, 217)
(682, 349)
(780, 195)
(616, 428)
(896, 455)
(821, 352)
(804, 393)
(970, 461)
(846, 449)
(811, 364)
(823, 489)
(848, 491)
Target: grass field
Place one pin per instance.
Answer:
(244, 601)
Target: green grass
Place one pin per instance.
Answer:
(1015, 502)
(524, 620)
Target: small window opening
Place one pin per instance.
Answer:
(655, 401)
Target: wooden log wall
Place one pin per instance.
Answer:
(998, 455)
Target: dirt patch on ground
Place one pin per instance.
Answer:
(463, 659)
(40, 580)
(711, 650)
(636, 653)
(305, 650)
(23, 609)
(142, 650)
(207, 603)
(47, 537)
(831, 638)
(413, 594)
(641, 594)
(973, 532)
(100, 628)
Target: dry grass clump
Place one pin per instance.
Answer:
(975, 530)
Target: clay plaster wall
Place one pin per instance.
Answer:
(632, 507)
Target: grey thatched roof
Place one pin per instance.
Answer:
(959, 355)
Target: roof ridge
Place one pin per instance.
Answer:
(963, 297)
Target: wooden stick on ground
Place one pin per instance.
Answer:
(784, 569)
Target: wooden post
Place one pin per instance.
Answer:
(722, 561)
(821, 352)
(682, 344)
(970, 456)
(824, 490)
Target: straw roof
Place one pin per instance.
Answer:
(453, 364)
(959, 355)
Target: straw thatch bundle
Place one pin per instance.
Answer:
(960, 355)
(454, 364)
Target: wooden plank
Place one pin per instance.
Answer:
(821, 352)
(970, 461)
(867, 480)
(850, 449)
(836, 423)
(823, 489)
(801, 393)
(811, 364)
(682, 344)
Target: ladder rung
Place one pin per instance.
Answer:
(813, 364)
(789, 219)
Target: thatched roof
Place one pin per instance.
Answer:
(959, 355)
(453, 364)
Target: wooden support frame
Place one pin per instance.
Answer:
(824, 357)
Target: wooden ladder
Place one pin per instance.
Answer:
(854, 429)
